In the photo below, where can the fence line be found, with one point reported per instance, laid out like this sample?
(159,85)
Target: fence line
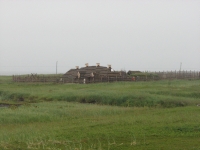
(176,74)
(62,79)
(144,76)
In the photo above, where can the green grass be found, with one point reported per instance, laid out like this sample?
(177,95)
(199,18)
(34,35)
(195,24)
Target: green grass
(166,93)
(111,116)
(64,125)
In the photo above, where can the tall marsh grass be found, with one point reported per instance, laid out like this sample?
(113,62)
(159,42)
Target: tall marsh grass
(166,93)
(64,125)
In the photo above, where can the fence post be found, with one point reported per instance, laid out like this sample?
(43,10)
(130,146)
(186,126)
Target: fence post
(199,75)
(175,74)
(193,74)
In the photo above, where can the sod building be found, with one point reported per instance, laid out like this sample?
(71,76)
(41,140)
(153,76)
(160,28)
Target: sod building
(89,74)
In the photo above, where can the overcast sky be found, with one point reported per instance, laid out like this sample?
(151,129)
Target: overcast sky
(153,35)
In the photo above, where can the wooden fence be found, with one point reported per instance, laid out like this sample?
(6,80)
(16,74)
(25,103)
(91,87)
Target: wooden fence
(166,75)
(146,76)
(62,79)
(36,78)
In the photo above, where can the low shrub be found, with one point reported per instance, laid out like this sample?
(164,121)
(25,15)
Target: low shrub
(172,103)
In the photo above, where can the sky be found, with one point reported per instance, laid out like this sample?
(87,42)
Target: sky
(148,35)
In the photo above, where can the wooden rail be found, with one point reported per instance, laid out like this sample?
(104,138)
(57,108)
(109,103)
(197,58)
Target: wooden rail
(150,76)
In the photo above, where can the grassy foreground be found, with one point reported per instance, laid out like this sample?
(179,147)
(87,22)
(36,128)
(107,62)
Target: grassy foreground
(73,126)
(149,115)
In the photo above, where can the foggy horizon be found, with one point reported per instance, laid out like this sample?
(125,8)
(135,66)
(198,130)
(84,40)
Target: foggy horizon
(129,35)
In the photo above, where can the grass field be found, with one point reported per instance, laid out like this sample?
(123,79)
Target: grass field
(158,115)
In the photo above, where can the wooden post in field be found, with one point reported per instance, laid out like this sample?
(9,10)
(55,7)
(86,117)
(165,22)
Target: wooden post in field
(171,75)
(193,74)
(199,75)
(163,75)
(175,74)
(190,74)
